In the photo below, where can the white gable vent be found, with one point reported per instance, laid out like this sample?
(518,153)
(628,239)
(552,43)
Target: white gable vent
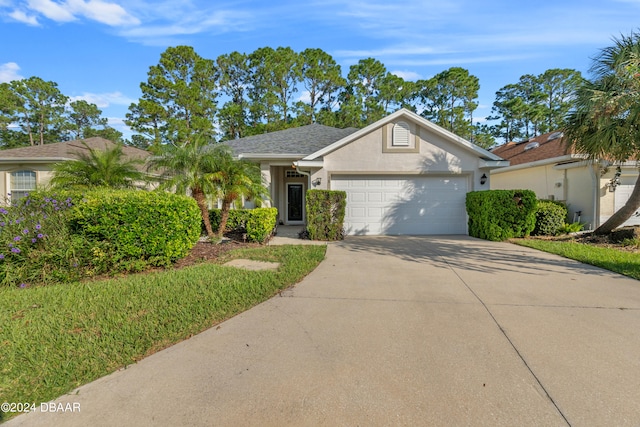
(531,145)
(401,134)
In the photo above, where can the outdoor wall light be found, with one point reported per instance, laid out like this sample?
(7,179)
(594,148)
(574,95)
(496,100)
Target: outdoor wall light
(316,182)
(483,179)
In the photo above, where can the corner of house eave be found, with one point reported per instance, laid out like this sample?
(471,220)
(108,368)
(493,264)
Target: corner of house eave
(493,164)
(10,160)
(256,157)
(309,163)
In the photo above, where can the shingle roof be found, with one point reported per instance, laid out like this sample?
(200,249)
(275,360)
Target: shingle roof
(298,142)
(528,151)
(68,150)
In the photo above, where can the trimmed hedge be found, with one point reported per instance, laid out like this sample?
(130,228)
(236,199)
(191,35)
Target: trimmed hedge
(550,218)
(63,236)
(325,214)
(258,223)
(501,214)
(157,227)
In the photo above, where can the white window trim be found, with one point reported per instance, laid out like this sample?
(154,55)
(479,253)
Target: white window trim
(9,180)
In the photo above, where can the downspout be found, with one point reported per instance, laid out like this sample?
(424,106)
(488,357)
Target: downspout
(595,171)
(307,174)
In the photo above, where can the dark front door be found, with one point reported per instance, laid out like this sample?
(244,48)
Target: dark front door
(294,202)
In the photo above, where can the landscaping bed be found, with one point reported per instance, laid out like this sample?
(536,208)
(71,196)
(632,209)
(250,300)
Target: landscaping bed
(624,239)
(618,252)
(207,251)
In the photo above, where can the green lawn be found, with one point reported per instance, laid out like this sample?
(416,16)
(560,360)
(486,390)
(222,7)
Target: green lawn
(619,261)
(56,338)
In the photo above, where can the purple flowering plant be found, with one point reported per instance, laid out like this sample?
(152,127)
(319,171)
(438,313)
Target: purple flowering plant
(27,230)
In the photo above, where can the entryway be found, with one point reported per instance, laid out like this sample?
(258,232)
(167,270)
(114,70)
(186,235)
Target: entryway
(295,203)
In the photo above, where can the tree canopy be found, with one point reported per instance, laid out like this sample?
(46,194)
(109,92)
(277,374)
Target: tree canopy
(41,114)
(605,123)
(241,94)
(98,168)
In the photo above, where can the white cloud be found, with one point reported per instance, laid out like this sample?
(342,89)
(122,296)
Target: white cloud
(305,97)
(107,13)
(391,51)
(54,11)
(104,100)
(463,60)
(406,75)
(9,72)
(102,11)
(199,22)
(115,122)
(20,16)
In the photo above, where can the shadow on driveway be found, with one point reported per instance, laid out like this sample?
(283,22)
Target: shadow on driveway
(469,254)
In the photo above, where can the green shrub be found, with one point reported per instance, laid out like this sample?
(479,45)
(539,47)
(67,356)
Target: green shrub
(574,227)
(156,227)
(68,235)
(325,214)
(258,223)
(550,218)
(501,214)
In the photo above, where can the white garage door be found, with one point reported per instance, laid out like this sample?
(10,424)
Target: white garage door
(622,194)
(403,204)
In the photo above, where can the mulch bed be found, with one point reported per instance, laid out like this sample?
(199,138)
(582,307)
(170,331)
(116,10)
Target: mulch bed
(207,251)
(621,239)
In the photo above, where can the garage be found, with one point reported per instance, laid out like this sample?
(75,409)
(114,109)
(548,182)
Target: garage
(622,194)
(401,204)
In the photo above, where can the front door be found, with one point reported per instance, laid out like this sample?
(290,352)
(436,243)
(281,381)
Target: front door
(294,202)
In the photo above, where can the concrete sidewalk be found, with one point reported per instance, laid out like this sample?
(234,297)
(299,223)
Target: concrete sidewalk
(399,331)
(290,235)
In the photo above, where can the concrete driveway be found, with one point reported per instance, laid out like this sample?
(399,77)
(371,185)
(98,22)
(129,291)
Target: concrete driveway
(399,331)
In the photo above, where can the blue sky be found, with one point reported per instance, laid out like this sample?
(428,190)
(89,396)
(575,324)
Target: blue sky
(101,50)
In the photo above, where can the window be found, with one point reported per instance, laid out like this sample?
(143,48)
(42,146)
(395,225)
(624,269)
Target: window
(293,174)
(401,134)
(22,182)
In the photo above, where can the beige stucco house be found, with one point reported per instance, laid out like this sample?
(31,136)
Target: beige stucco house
(402,174)
(592,190)
(26,168)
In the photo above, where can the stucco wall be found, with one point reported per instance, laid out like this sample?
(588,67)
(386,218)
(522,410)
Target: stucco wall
(573,185)
(371,154)
(546,182)
(580,196)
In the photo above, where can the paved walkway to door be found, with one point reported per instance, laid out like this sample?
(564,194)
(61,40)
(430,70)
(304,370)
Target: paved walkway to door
(399,331)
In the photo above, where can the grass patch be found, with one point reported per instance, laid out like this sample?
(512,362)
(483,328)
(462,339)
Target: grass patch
(56,338)
(619,261)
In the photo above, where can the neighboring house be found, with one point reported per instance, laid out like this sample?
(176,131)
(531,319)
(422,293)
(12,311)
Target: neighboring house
(402,174)
(592,190)
(26,168)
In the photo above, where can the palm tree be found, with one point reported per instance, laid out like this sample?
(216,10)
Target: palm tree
(235,179)
(188,168)
(605,123)
(98,168)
